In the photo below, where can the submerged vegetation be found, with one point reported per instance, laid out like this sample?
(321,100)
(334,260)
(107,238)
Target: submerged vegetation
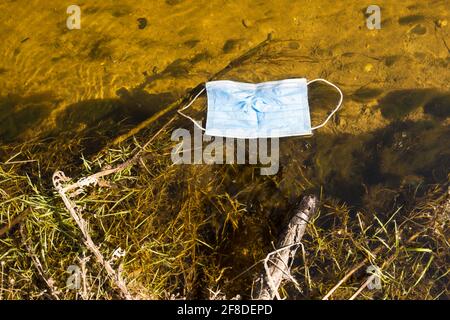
(380,169)
(194,232)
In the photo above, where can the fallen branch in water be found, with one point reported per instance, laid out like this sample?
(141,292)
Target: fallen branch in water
(277,263)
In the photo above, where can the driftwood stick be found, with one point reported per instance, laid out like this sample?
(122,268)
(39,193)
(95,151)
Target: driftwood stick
(372,277)
(277,263)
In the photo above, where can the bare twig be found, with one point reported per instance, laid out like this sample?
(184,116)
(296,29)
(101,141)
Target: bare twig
(83,261)
(364,285)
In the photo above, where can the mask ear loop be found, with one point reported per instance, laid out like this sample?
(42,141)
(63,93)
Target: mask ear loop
(187,106)
(335,109)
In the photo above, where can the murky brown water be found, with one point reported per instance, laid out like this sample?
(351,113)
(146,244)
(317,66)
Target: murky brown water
(55,78)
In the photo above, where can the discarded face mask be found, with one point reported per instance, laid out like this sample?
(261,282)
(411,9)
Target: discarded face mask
(271,109)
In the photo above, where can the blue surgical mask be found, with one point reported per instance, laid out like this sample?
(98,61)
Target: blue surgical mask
(263,110)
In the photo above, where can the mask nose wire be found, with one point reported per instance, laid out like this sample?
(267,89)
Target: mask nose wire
(337,106)
(187,106)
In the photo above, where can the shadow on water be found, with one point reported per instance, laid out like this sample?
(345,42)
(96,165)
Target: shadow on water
(403,155)
(89,120)
(397,104)
(19,113)
(112,117)
(352,168)
(93,122)
(98,121)
(439,106)
(96,117)
(134,105)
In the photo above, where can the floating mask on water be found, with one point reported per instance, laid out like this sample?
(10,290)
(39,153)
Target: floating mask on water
(264,110)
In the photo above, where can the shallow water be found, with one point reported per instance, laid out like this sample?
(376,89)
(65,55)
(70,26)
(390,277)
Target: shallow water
(53,79)
(134,58)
